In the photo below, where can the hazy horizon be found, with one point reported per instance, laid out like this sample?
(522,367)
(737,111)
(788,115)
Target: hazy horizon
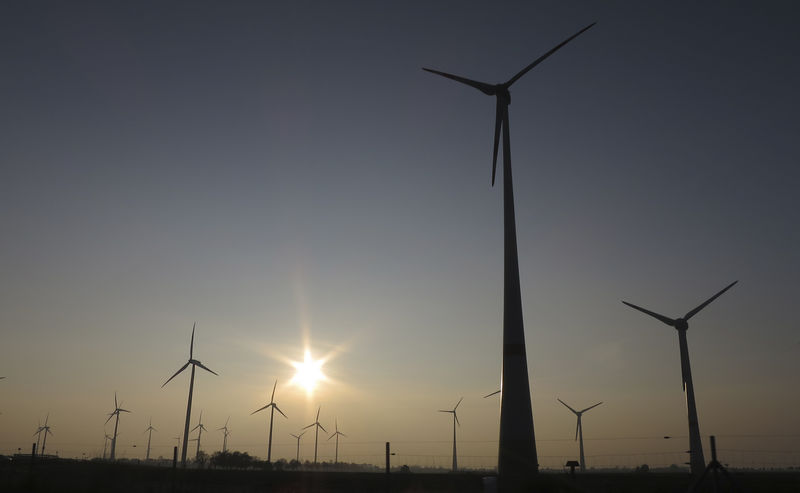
(289,178)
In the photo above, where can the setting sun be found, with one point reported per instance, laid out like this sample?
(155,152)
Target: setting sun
(308,372)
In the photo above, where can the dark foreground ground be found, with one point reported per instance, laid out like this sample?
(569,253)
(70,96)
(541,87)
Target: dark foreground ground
(65,476)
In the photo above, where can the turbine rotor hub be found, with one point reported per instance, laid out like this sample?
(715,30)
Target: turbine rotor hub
(503,93)
(681,324)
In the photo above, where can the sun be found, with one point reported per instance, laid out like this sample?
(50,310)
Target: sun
(308,373)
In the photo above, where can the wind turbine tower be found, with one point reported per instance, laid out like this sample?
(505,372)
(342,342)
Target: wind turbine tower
(105,444)
(517,451)
(272,407)
(316,433)
(195,363)
(336,434)
(43,430)
(297,457)
(579,430)
(226,432)
(112,414)
(455,421)
(200,429)
(697,462)
(149,432)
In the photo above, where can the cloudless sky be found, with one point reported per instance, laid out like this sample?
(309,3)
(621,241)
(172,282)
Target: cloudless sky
(287,176)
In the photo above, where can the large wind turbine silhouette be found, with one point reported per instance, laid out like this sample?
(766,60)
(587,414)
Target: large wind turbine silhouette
(272,407)
(696,459)
(297,458)
(455,420)
(149,432)
(113,413)
(336,434)
(517,450)
(579,429)
(227,432)
(316,426)
(200,429)
(194,364)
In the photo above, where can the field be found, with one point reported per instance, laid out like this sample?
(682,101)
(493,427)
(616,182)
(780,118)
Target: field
(66,476)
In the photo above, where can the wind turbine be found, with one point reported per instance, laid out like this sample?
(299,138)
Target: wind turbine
(579,429)
(194,364)
(517,450)
(297,458)
(272,407)
(38,435)
(336,434)
(200,429)
(105,444)
(696,460)
(149,429)
(113,413)
(455,420)
(226,432)
(43,429)
(316,433)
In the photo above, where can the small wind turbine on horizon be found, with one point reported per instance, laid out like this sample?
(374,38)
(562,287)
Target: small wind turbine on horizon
(272,407)
(297,457)
(455,421)
(105,444)
(195,363)
(517,445)
(696,459)
(43,430)
(149,431)
(226,432)
(316,433)
(336,434)
(579,429)
(200,429)
(113,413)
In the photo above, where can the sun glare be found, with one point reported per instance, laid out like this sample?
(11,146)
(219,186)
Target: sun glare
(308,373)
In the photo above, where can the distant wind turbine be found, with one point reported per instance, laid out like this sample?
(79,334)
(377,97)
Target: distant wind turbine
(149,432)
(272,407)
(43,430)
(38,435)
(517,450)
(493,393)
(226,432)
(297,458)
(195,363)
(455,421)
(696,459)
(200,429)
(112,414)
(579,429)
(316,433)
(336,434)
(105,444)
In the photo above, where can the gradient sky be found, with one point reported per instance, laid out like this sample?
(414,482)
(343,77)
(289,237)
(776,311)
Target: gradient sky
(287,176)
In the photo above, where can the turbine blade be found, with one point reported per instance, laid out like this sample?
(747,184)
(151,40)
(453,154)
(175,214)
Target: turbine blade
(318,410)
(498,124)
(191,344)
(309,426)
(196,427)
(664,319)
(201,365)
(332,435)
(591,407)
(259,409)
(323,428)
(123,410)
(577,427)
(459,402)
(279,410)
(456,418)
(109,419)
(694,312)
(543,57)
(443,411)
(170,378)
(272,399)
(483,87)
(562,402)
(493,393)
(343,434)
(115,402)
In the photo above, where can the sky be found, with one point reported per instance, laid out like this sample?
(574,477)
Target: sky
(287,177)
